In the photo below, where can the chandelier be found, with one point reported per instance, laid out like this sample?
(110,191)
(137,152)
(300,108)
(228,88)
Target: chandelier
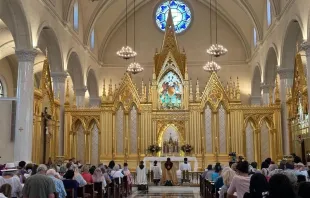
(134,67)
(211,66)
(216,49)
(126,52)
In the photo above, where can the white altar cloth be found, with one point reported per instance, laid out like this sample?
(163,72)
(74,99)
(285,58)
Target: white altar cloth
(173,159)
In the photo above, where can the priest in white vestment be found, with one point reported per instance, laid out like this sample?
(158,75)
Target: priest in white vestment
(141,174)
(185,166)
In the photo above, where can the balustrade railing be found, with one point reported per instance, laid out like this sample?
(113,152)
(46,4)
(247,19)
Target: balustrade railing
(190,177)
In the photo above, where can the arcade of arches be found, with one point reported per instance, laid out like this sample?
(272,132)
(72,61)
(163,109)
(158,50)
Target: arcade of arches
(64,92)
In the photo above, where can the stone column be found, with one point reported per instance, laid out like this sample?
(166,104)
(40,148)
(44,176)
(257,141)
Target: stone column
(80,97)
(24,108)
(59,84)
(265,97)
(286,81)
(94,101)
(256,100)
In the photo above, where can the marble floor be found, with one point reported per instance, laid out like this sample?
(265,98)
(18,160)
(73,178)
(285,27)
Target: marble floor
(167,192)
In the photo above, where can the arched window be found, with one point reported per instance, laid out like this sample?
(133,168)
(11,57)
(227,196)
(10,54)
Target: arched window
(269,17)
(76,15)
(1,89)
(92,39)
(254,37)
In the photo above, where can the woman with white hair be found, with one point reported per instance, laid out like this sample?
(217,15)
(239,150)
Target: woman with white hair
(9,177)
(227,175)
(60,188)
(99,177)
(116,173)
(78,177)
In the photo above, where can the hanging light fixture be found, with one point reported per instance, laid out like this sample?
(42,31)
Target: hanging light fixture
(126,52)
(211,66)
(216,49)
(134,67)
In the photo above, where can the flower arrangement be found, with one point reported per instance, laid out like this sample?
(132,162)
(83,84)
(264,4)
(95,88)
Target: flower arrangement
(186,148)
(154,148)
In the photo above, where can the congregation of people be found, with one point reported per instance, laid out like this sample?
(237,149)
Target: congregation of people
(288,179)
(51,180)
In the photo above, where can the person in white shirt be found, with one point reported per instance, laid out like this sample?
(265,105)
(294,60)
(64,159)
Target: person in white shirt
(185,166)
(116,173)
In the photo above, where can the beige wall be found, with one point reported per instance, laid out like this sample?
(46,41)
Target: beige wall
(195,41)
(6,74)
(6,146)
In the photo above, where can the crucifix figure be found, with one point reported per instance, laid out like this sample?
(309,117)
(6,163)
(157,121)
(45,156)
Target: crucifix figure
(45,118)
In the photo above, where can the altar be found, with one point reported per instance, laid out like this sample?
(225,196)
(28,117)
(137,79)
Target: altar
(177,161)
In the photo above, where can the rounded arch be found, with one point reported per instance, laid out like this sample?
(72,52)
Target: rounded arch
(92,84)
(256,81)
(271,64)
(164,128)
(293,36)
(47,40)
(13,15)
(75,70)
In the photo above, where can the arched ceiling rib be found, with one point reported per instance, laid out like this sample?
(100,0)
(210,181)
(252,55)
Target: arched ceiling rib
(104,15)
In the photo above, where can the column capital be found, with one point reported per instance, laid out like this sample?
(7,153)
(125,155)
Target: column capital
(80,91)
(306,46)
(27,55)
(286,73)
(266,87)
(60,77)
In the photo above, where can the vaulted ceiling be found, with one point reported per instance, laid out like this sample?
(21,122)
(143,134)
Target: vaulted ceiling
(107,15)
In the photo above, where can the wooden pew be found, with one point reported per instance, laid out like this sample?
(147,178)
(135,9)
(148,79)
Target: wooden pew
(70,193)
(98,189)
(89,189)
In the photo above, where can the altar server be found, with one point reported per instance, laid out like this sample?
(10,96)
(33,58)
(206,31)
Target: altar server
(157,173)
(185,166)
(141,175)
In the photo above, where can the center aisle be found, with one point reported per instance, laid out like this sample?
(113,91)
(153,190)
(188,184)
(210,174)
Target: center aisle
(167,192)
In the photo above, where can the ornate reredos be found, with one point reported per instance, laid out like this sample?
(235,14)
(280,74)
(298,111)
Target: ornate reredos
(214,94)
(46,85)
(127,94)
(299,84)
(170,46)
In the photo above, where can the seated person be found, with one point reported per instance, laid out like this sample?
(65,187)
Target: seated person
(70,183)
(86,175)
(216,173)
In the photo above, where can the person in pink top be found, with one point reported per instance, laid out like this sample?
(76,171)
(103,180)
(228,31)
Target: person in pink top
(86,175)
(241,182)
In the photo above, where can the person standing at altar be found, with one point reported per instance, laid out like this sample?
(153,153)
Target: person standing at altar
(141,174)
(169,177)
(156,173)
(185,166)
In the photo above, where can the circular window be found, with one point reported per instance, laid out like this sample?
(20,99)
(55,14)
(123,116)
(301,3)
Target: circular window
(181,15)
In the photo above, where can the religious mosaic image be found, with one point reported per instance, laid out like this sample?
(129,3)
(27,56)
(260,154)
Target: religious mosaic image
(170,91)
